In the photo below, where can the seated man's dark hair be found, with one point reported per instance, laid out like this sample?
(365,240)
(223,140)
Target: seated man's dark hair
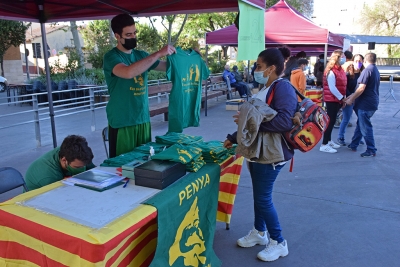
(76,147)
(121,21)
(321,56)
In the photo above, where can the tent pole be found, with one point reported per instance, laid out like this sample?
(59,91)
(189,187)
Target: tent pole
(48,81)
(247,74)
(325,55)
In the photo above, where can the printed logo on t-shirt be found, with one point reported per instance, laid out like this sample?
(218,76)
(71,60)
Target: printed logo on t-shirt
(139,88)
(192,77)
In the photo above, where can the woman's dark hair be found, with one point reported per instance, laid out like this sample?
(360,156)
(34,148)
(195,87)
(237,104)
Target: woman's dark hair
(301,54)
(285,52)
(272,56)
(76,147)
(121,21)
(290,65)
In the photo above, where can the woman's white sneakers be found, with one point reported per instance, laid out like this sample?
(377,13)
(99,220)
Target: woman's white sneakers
(329,148)
(253,238)
(273,251)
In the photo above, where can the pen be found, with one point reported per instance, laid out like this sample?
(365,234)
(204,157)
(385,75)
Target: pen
(126,183)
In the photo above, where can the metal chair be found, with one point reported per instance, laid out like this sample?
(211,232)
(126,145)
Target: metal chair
(104,133)
(391,91)
(10,179)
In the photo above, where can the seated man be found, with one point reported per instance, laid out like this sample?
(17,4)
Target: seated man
(73,157)
(239,80)
(227,75)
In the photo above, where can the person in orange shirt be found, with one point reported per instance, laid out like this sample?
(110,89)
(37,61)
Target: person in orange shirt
(298,78)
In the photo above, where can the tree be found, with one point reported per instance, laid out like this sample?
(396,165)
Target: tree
(199,24)
(383,18)
(77,42)
(305,7)
(148,38)
(167,22)
(12,33)
(97,41)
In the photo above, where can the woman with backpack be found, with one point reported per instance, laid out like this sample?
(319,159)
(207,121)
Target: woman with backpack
(334,84)
(270,64)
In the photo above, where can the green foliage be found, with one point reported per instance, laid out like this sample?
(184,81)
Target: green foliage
(382,19)
(12,33)
(148,38)
(198,24)
(68,69)
(215,63)
(156,75)
(305,7)
(97,41)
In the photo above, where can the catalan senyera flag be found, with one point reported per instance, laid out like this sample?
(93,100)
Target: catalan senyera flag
(29,237)
(228,183)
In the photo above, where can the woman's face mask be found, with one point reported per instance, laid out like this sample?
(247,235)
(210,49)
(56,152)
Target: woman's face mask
(259,77)
(357,65)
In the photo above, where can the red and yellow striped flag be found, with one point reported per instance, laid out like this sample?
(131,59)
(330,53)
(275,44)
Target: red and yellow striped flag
(229,180)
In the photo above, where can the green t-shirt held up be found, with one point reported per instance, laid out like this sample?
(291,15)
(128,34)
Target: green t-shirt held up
(128,104)
(186,69)
(47,170)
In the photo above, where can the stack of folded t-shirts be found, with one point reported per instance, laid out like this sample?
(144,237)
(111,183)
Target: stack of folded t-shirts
(174,138)
(123,159)
(213,151)
(185,154)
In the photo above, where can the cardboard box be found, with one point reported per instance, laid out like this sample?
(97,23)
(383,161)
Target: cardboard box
(234,104)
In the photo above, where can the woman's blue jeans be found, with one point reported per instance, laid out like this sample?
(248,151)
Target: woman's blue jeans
(263,177)
(347,111)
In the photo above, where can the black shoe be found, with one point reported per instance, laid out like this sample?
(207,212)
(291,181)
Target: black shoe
(352,148)
(243,96)
(341,141)
(368,154)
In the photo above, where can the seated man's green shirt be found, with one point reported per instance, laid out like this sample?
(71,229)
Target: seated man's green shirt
(128,104)
(47,170)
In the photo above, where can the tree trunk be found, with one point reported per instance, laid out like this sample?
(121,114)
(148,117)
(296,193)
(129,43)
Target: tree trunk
(112,38)
(77,42)
(225,51)
(389,51)
(2,69)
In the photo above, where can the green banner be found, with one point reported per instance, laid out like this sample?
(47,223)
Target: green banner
(186,220)
(251,38)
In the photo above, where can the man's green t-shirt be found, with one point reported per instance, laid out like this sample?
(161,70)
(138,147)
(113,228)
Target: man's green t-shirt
(128,104)
(47,170)
(186,69)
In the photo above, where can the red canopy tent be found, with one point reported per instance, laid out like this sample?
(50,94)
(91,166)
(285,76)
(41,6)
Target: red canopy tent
(54,10)
(285,25)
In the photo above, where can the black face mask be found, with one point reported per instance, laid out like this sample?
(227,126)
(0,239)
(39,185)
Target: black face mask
(129,43)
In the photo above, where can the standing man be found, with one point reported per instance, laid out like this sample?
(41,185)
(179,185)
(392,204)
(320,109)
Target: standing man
(366,98)
(126,70)
(319,70)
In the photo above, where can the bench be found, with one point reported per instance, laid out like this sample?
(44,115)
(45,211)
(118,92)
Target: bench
(165,88)
(219,84)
